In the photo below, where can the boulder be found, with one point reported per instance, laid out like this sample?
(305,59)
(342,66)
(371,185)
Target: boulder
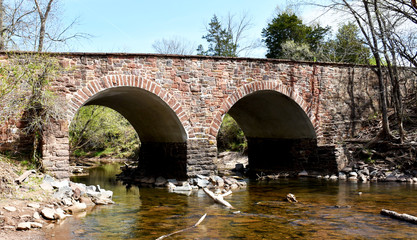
(60,214)
(64,191)
(202,183)
(48,213)
(77,207)
(160,182)
(342,176)
(174,181)
(87,201)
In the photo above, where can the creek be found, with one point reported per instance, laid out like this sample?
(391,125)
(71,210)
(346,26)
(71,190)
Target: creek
(326,210)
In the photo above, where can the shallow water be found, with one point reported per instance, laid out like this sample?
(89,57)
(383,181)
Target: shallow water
(326,210)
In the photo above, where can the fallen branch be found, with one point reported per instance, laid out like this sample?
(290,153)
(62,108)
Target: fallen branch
(185,229)
(403,217)
(218,198)
(25,175)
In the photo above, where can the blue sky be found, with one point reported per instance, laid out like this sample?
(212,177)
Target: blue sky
(134,25)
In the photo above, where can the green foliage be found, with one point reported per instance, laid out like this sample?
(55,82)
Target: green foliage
(98,131)
(347,47)
(294,51)
(288,27)
(230,136)
(27,95)
(220,41)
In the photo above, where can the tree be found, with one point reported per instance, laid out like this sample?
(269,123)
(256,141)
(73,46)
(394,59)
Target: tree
(33,25)
(229,38)
(173,45)
(294,51)
(220,40)
(288,27)
(32,100)
(97,131)
(347,47)
(382,25)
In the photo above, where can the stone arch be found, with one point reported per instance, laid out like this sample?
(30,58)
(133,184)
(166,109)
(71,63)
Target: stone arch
(112,81)
(157,116)
(252,88)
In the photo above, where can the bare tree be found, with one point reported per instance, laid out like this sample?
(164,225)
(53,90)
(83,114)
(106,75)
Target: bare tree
(238,27)
(33,25)
(174,45)
(228,37)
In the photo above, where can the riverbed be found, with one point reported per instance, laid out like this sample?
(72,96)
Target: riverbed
(326,210)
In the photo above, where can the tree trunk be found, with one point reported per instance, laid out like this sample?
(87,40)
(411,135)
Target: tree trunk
(385,131)
(2,42)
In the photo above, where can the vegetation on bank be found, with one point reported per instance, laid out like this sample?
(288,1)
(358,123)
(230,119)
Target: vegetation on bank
(98,131)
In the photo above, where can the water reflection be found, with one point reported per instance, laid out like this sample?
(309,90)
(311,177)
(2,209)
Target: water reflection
(331,210)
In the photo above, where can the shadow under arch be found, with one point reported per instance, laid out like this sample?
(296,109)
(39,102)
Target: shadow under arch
(163,150)
(279,131)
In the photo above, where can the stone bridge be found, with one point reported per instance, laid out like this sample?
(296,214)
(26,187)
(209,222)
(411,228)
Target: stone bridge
(293,114)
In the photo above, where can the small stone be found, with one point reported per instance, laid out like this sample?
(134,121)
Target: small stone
(304,173)
(35,225)
(23,226)
(46,187)
(36,215)
(25,216)
(415,179)
(342,176)
(171,186)
(9,221)
(9,227)
(333,177)
(76,193)
(353,174)
(67,202)
(352,178)
(10,208)
(34,205)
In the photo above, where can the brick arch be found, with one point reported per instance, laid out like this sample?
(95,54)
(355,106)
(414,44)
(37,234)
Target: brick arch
(251,88)
(96,86)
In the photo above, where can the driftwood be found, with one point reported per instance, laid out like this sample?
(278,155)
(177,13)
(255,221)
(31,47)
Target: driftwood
(185,229)
(219,197)
(403,217)
(25,175)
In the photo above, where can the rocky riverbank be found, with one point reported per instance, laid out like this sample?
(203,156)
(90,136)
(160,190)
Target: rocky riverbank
(38,202)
